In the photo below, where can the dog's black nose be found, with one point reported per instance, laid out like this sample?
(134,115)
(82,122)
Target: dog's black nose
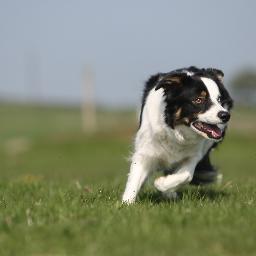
(224,116)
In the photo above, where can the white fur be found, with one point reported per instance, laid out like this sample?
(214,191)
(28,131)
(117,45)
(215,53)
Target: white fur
(159,147)
(211,115)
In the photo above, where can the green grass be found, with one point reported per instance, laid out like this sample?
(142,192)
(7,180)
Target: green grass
(60,191)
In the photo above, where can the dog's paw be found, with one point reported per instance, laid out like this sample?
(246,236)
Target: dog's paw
(159,184)
(219,179)
(128,200)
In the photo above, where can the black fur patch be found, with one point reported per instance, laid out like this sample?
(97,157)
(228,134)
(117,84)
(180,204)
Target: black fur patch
(182,97)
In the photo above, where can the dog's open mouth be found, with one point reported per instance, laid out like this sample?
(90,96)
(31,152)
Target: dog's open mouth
(212,131)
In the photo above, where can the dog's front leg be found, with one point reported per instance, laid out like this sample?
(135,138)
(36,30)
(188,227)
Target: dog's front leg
(173,181)
(139,171)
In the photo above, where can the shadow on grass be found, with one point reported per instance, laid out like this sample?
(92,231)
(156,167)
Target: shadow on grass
(188,194)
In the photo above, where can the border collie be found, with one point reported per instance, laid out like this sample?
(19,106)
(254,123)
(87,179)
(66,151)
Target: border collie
(184,114)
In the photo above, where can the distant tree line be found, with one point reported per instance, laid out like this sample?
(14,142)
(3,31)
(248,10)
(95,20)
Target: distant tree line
(243,87)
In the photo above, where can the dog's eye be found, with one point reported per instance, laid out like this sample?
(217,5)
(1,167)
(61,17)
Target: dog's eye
(219,99)
(199,100)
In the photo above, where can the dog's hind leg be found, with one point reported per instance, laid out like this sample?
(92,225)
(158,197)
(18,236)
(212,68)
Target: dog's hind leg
(139,171)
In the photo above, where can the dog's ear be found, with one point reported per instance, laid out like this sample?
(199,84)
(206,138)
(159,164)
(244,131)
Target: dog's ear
(170,79)
(217,73)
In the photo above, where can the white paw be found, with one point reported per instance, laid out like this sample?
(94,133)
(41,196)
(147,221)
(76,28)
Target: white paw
(219,179)
(128,200)
(159,184)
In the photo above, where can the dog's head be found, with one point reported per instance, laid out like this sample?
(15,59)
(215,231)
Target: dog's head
(196,98)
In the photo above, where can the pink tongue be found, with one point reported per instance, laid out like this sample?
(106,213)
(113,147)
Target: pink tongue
(212,131)
(216,133)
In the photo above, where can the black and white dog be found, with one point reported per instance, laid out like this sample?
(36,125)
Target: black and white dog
(184,114)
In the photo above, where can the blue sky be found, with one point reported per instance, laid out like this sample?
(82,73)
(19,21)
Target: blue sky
(46,45)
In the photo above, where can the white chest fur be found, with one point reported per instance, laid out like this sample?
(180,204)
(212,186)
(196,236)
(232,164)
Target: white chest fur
(156,140)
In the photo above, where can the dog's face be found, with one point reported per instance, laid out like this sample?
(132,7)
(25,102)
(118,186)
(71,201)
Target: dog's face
(197,98)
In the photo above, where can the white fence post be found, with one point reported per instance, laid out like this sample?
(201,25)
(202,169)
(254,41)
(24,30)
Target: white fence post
(88,108)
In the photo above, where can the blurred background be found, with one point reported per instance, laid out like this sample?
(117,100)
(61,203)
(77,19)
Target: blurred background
(72,73)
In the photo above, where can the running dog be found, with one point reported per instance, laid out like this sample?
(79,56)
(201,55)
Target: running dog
(184,114)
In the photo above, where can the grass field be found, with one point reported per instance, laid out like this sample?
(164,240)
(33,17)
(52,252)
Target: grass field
(60,191)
